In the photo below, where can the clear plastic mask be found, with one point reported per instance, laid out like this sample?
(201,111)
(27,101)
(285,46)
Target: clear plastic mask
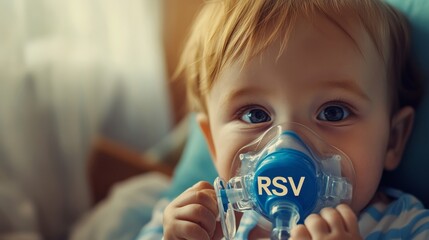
(284,176)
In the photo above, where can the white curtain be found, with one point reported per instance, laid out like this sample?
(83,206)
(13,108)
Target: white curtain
(69,70)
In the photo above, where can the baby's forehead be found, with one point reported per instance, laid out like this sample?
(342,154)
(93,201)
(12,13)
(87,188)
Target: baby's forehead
(317,49)
(350,27)
(343,30)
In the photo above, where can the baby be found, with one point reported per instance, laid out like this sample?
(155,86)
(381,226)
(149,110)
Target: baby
(334,66)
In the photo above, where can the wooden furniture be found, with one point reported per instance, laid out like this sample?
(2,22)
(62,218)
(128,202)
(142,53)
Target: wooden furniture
(111,162)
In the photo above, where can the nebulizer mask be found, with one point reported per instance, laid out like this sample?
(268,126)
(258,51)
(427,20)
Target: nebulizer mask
(284,175)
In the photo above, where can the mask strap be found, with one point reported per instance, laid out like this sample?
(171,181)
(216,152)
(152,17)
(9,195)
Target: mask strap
(336,188)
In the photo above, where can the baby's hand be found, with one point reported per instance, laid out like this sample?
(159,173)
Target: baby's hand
(192,215)
(338,223)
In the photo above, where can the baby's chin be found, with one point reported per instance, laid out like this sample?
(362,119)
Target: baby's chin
(358,206)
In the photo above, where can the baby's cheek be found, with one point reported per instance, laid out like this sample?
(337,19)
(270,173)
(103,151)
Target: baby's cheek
(366,184)
(225,163)
(224,167)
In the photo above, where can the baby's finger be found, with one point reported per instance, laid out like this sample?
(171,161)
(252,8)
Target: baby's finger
(202,185)
(206,197)
(316,225)
(349,218)
(334,219)
(198,214)
(299,232)
(190,230)
(218,233)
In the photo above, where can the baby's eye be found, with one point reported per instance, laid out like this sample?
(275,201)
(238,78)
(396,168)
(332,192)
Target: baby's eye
(255,115)
(333,113)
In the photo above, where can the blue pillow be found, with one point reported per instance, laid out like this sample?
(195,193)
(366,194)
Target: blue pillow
(411,175)
(196,165)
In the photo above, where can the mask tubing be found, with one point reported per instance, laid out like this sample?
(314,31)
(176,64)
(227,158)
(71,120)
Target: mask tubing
(284,216)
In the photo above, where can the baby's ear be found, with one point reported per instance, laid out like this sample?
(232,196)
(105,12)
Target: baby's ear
(204,123)
(400,130)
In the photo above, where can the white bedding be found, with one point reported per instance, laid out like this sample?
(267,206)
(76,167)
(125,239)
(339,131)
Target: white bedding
(127,209)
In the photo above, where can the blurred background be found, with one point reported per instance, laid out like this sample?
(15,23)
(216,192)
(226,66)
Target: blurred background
(84,84)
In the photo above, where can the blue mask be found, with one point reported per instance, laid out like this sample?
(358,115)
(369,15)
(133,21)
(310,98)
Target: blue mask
(284,175)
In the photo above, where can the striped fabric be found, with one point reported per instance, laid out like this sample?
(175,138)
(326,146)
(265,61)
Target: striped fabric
(404,218)
(153,230)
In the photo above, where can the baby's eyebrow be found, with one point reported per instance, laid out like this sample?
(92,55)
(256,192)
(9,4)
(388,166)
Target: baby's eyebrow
(348,85)
(238,92)
(246,90)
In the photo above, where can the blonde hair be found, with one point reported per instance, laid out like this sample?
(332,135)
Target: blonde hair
(237,30)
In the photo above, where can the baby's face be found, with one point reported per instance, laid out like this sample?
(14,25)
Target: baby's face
(325,80)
